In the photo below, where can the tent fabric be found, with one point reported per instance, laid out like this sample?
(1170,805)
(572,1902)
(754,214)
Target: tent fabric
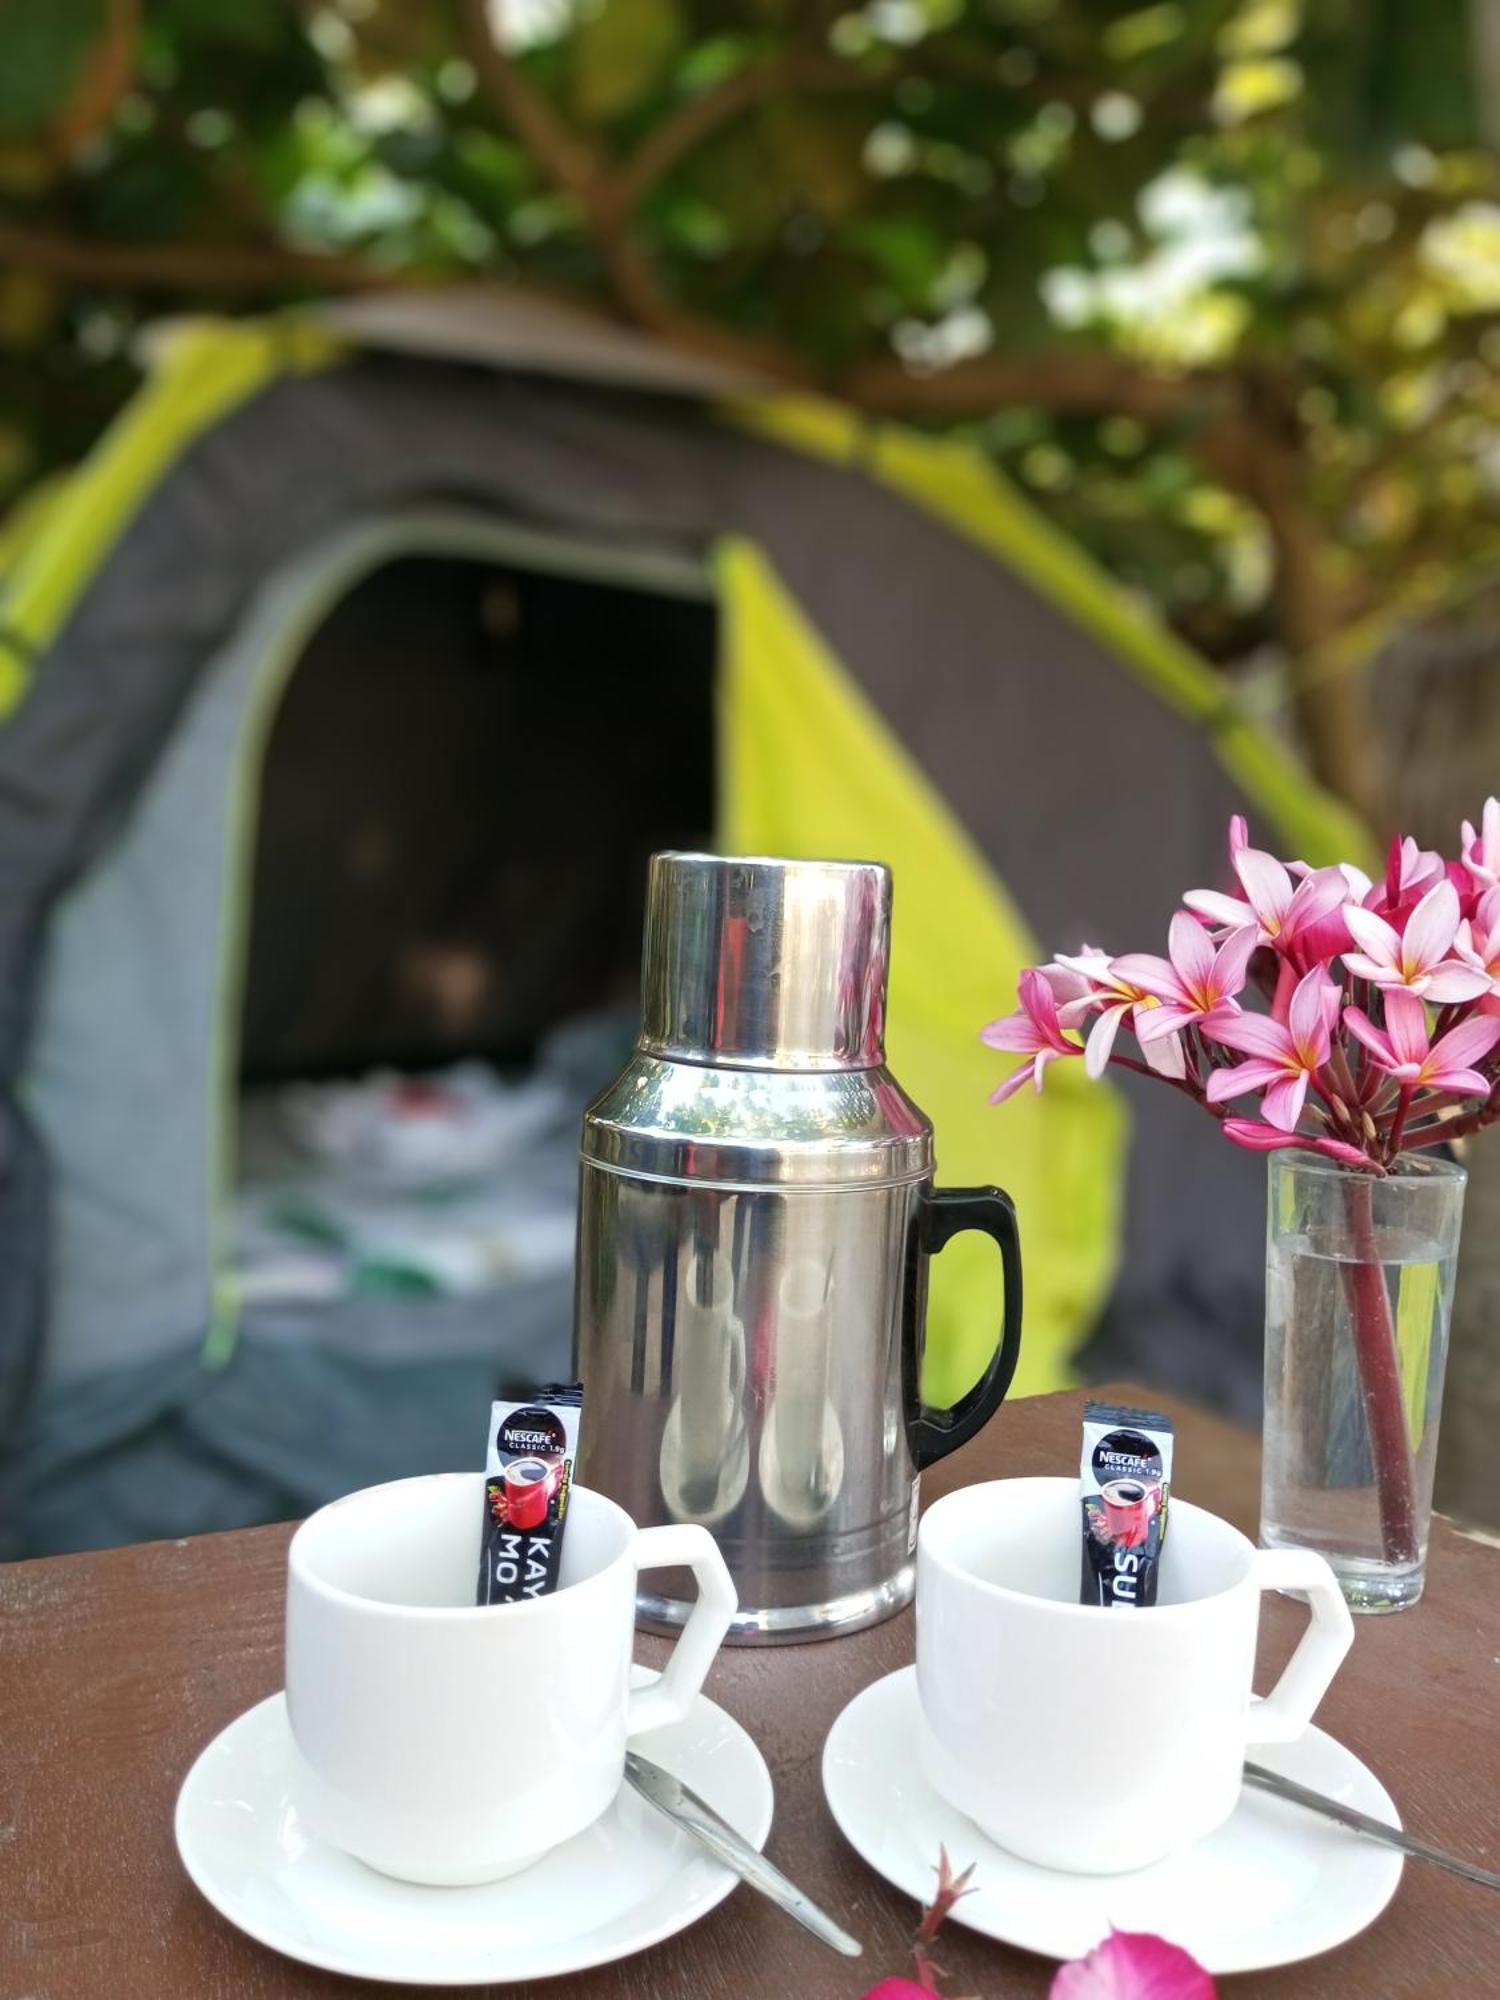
(520,331)
(966,490)
(891,687)
(956,941)
(213,368)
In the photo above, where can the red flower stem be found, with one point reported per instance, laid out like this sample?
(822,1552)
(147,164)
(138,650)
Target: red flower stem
(1398,1123)
(1380,1376)
(1345,1125)
(1348,1088)
(1369,1076)
(1458,1128)
(1188,1088)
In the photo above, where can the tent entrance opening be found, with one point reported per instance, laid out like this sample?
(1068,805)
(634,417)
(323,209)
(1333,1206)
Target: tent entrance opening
(467,770)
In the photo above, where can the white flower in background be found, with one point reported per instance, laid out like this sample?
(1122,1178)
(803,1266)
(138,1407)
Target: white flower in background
(1461,252)
(1167,304)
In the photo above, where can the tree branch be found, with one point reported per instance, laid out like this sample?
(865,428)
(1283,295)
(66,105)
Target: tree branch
(574,169)
(105,76)
(637,290)
(801,72)
(1068,381)
(1259,453)
(232,270)
(567,160)
(1064,382)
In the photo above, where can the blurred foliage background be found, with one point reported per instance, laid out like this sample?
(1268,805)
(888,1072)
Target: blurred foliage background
(1217,281)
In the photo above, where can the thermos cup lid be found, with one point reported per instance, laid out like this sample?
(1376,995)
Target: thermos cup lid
(764,963)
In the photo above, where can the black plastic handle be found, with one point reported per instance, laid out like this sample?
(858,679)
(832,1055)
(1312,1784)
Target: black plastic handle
(945,1211)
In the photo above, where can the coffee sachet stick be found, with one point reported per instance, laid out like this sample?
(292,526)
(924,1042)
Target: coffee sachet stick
(533,1443)
(1126,1481)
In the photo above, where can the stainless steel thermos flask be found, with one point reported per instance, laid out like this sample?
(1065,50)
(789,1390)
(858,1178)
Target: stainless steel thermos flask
(756,1215)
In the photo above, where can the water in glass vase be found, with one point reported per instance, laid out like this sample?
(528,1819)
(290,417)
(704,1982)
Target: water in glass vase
(1359,1292)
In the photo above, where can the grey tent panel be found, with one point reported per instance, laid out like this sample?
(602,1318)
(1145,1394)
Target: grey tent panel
(123,1066)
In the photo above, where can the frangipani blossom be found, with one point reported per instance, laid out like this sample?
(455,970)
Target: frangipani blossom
(1478,939)
(1033,1030)
(1112,998)
(1356,880)
(1284,1055)
(1404,1051)
(1303,921)
(1071,979)
(1415,958)
(1357,1085)
(1412,872)
(1194,983)
(1258,1138)
(1481,851)
(1133,1965)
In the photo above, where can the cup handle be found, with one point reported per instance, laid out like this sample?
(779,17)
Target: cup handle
(683,1546)
(1290,1706)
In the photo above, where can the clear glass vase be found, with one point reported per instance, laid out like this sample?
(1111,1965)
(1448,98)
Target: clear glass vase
(1359,1293)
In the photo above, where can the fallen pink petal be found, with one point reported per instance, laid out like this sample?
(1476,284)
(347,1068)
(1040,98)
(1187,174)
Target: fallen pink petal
(1133,1965)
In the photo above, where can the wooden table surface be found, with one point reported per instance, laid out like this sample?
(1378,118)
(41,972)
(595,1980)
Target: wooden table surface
(116,1670)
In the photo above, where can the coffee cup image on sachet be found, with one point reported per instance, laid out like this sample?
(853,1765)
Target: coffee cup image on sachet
(1128,1508)
(526,1490)
(426,1743)
(1090,1739)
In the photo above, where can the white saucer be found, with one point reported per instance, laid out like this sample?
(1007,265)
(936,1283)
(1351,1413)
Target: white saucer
(624,1883)
(1274,1885)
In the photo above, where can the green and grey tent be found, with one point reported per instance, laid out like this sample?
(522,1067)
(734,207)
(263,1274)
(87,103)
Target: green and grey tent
(381,645)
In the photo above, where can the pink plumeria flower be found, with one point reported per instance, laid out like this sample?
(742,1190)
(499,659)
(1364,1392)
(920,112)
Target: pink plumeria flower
(1478,940)
(1481,850)
(1193,983)
(1033,1030)
(1303,921)
(1404,1052)
(1284,1055)
(1258,1138)
(1411,872)
(1417,957)
(1111,998)
(1132,1965)
(1072,979)
(1356,880)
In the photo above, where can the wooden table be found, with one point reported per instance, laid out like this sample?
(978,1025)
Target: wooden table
(116,1669)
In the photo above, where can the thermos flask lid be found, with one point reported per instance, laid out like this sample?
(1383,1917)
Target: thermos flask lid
(763,963)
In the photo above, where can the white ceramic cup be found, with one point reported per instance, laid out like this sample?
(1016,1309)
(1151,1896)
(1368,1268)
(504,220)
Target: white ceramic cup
(445,1742)
(1090,1739)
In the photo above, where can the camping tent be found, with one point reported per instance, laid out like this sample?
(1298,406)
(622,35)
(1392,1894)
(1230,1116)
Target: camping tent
(751,617)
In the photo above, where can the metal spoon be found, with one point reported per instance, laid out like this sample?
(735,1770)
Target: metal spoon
(1372,1829)
(695,1816)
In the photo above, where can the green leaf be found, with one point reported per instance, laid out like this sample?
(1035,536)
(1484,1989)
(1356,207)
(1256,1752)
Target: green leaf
(712,60)
(621,53)
(241,24)
(44,48)
(909,252)
(1138,34)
